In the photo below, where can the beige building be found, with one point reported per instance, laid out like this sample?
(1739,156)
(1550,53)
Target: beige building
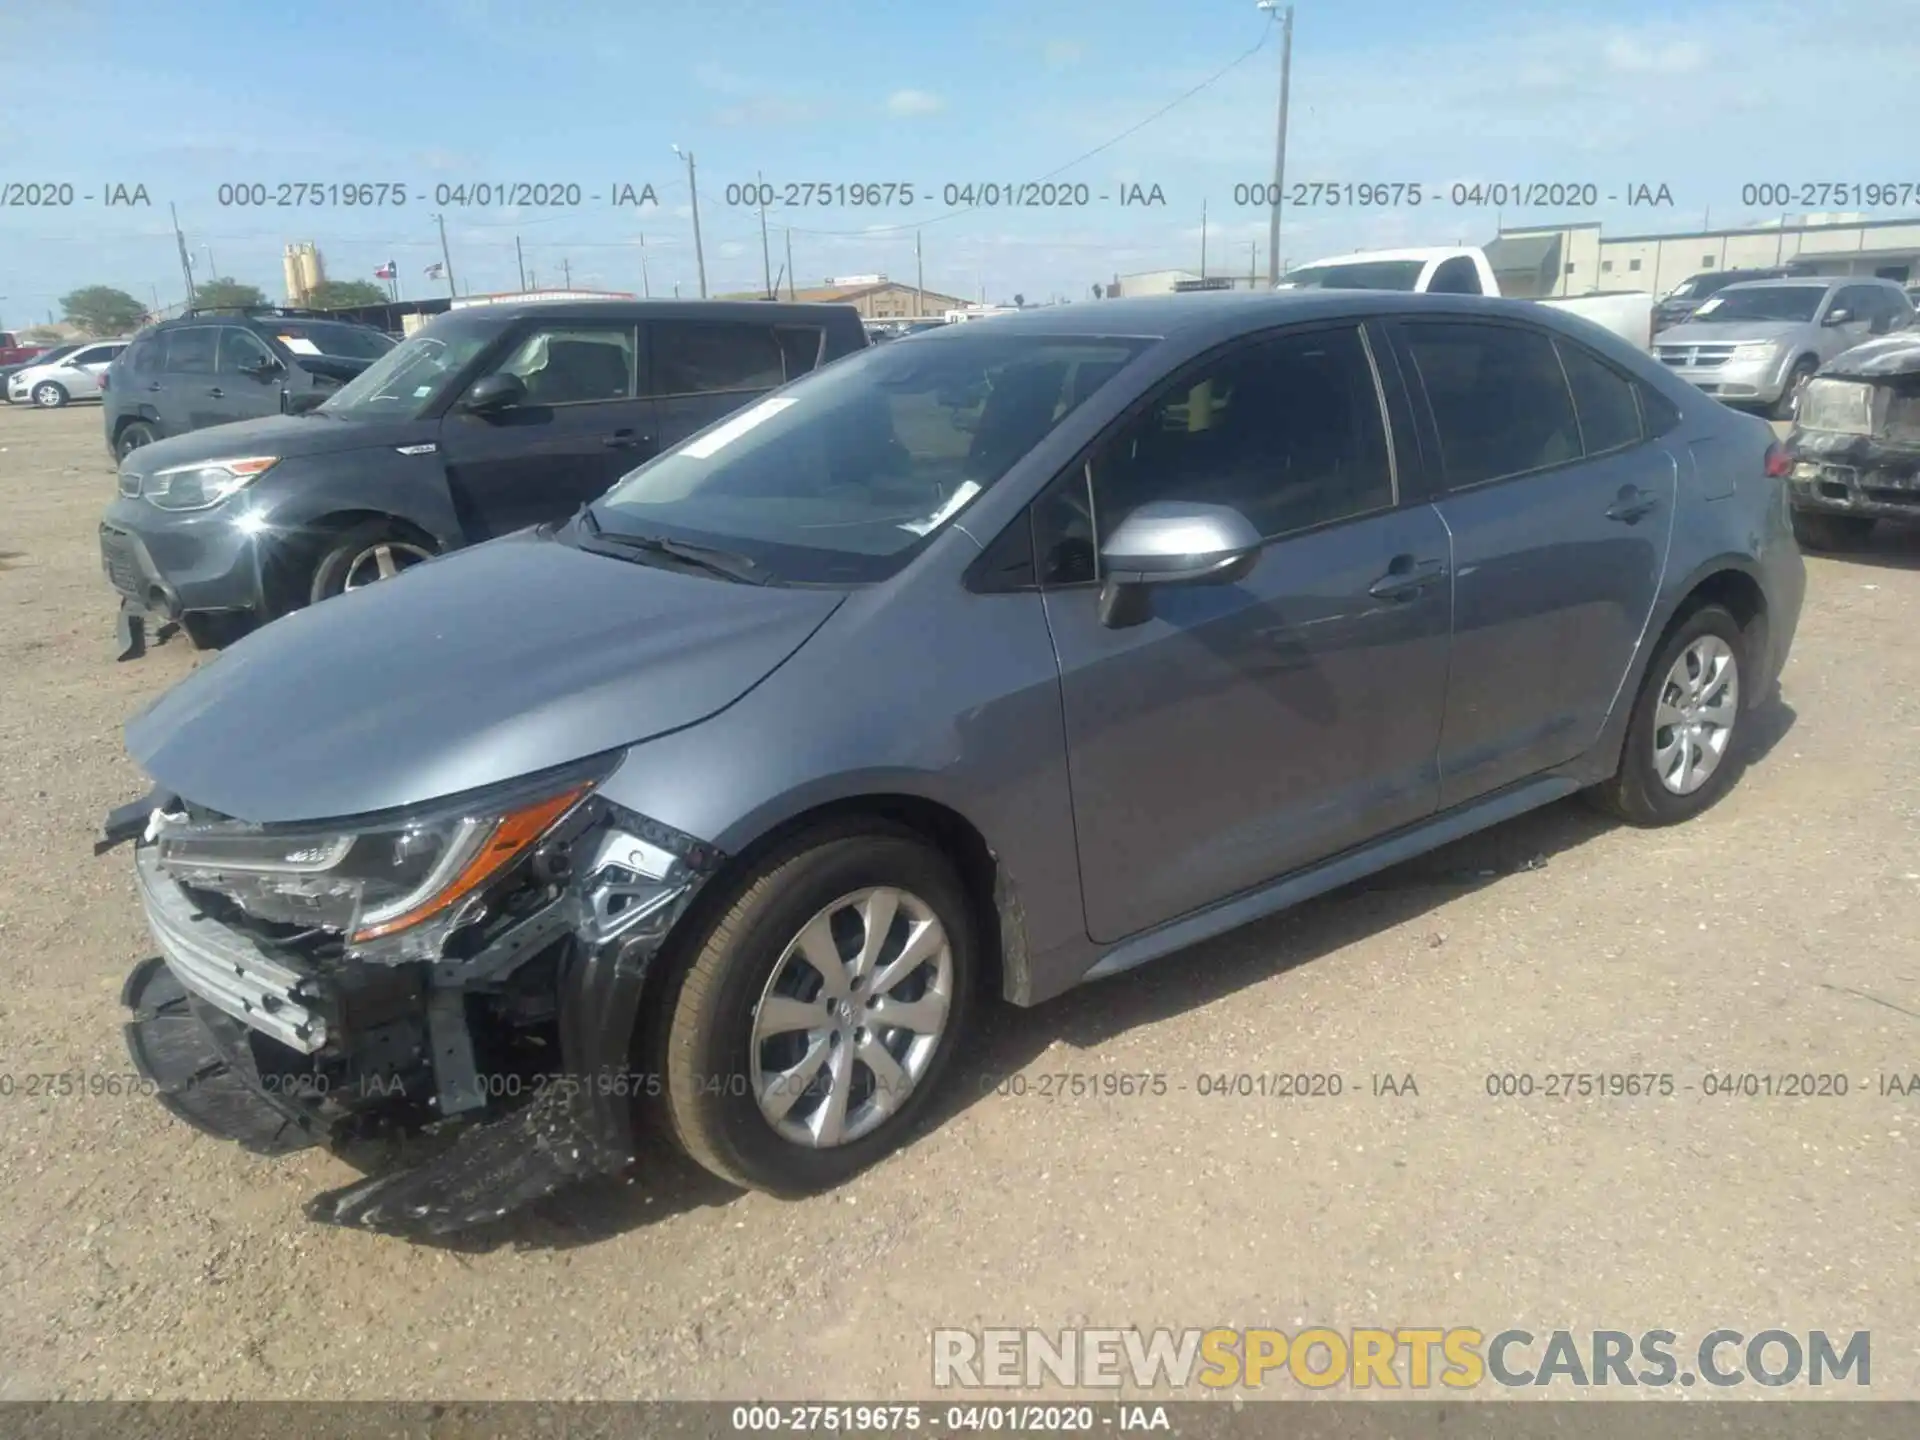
(875,299)
(1575,259)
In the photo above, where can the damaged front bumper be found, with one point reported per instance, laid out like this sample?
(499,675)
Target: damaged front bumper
(513,1064)
(1856,450)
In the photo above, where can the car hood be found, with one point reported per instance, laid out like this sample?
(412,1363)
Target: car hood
(1889,355)
(480,667)
(283,435)
(1733,332)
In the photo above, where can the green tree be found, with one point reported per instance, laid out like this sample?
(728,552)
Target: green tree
(224,290)
(345,294)
(103,310)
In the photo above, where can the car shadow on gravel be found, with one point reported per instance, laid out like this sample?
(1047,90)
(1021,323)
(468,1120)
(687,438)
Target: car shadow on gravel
(1893,545)
(1008,1039)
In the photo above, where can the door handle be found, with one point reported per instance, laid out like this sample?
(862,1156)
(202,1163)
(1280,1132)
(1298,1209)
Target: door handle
(1406,578)
(626,440)
(1632,505)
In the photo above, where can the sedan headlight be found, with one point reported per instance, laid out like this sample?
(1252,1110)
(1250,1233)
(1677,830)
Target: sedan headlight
(1757,350)
(395,889)
(204,484)
(1842,406)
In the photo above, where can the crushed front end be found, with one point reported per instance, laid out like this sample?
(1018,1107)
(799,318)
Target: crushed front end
(1856,441)
(465,976)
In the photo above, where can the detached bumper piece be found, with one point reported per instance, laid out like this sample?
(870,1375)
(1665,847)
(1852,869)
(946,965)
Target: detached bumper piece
(279,1049)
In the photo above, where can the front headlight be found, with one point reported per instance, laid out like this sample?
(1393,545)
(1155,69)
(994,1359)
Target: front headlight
(205,483)
(1757,350)
(394,889)
(1842,406)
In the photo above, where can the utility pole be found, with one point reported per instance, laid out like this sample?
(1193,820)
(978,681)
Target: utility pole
(212,271)
(919,280)
(789,263)
(646,282)
(520,260)
(1253,263)
(766,260)
(566,274)
(186,266)
(1203,239)
(446,256)
(693,194)
(1280,140)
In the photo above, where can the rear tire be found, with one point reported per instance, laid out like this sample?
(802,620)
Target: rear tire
(729,1057)
(1818,530)
(370,551)
(49,395)
(1682,751)
(1788,405)
(131,437)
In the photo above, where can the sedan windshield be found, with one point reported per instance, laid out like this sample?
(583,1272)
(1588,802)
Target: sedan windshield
(1763,302)
(325,337)
(1366,275)
(408,378)
(841,477)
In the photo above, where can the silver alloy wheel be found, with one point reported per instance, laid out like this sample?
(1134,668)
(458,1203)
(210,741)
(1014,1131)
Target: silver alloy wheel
(1693,718)
(382,562)
(851,1017)
(49,396)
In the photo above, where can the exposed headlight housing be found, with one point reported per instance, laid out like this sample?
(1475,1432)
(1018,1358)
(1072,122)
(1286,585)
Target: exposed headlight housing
(205,483)
(1842,406)
(393,888)
(1757,350)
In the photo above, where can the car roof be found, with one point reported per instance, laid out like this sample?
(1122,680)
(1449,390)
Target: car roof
(765,311)
(1224,314)
(1823,281)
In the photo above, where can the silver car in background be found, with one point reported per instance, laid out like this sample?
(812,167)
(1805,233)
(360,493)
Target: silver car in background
(79,375)
(1760,343)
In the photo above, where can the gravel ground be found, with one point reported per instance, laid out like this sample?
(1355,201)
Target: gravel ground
(140,1259)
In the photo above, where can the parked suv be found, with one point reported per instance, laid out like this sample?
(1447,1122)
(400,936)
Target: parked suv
(213,367)
(1761,343)
(1690,294)
(489,419)
(992,664)
(80,374)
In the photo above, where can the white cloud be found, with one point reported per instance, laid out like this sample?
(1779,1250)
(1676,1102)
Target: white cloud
(1680,57)
(914,102)
(1061,53)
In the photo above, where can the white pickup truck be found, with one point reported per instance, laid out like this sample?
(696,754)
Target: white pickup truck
(1464,270)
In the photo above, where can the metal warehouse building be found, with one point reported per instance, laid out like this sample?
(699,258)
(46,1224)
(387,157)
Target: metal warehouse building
(1574,259)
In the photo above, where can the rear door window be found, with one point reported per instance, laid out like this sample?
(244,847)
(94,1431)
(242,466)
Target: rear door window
(800,347)
(1602,401)
(699,357)
(191,350)
(1455,277)
(1498,398)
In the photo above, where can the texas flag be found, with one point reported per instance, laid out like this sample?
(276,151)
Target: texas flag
(436,270)
(386,271)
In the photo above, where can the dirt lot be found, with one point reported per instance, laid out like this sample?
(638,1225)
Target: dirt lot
(1777,934)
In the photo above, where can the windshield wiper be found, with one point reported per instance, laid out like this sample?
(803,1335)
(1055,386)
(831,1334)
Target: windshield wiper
(728,564)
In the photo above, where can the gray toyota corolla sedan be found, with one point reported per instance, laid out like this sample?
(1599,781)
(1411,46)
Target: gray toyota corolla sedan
(980,667)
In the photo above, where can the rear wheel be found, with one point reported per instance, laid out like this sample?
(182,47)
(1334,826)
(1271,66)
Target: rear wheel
(1681,752)
(131,437)
(1818,530)
(49,395)
(373,550)
(821,1010)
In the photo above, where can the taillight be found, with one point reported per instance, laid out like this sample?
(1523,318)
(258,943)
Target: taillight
(1779,466)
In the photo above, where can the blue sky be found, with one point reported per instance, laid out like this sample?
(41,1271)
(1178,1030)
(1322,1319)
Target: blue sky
(1702,97)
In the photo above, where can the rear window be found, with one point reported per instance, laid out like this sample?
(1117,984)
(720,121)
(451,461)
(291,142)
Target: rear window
(346,342)
(696,357)
(190,350)
(800,347)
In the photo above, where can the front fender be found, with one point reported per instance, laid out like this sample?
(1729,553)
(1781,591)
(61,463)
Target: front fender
(310,490)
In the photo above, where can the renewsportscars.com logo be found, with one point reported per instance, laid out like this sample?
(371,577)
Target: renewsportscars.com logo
(1402,1357)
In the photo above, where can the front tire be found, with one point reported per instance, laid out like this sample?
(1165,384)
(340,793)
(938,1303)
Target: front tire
(1818,530)
(1682,751)
(49,395)
(821,1010)
(373,550)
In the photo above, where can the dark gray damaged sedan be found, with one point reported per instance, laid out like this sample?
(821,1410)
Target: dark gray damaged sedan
(976,667)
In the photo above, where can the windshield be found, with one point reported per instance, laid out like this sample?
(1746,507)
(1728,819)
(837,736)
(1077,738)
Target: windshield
(840,477)
(326,337)
(1763,302)
(1367,275)
(408,378)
